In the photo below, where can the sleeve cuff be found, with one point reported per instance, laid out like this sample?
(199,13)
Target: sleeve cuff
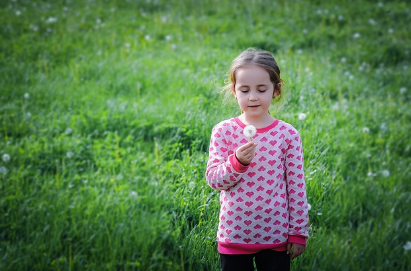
(297,240)
(240,168)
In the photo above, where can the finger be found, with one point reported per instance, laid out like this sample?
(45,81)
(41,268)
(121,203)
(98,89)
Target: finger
(288,248)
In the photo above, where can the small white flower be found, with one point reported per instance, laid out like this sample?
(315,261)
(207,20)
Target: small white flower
(173,46)
(343,60)
(33,27)
(169,38)
(85,181)
(380,4)
(302,116)
(133,194)
(340,17)
(69,131)
(127,45)
(356,35)
(370,174)
(309,206)
(407,246)
(249,131)
(69,154)
(18,13)
(403,90)
(147,37)
(299,51)
(3,170)
(51,20)
(305,31)
(26,95)
(6,157)
(319,214)
(372,21)
(366,130)
(385,173)
(390,30)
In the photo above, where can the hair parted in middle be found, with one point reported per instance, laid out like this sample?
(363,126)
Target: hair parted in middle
(263,59)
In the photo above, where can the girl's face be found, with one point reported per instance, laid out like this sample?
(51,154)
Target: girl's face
(254,91)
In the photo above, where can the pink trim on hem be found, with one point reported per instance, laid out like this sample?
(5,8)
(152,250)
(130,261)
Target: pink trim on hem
(259,130)
(297,240)
(225,248)
(237,165)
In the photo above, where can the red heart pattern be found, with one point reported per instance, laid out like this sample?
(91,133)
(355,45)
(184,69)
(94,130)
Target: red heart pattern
(264,202)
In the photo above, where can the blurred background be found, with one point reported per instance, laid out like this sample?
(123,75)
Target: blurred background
(107,106)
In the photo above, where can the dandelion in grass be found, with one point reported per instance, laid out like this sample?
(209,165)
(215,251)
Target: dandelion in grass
(69,131)
(18,13)
(372,22)
(309,206)
(250,131)
(356,35)
(26,95)
(365,130)
(169,38)
(403,90)
(390,30)
(3,170)
(147,37)
(319,214)
(407,246)
(299,51)
(6,157)
(385,173)
(133,194)
(302,116)
(343,60)
(51,20)
(69,154)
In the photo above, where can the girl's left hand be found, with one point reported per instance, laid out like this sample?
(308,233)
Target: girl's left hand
(297,249)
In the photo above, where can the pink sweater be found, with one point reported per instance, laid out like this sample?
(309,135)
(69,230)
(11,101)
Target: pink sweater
(264,204)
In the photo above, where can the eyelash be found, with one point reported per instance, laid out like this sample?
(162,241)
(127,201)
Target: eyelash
(259,90)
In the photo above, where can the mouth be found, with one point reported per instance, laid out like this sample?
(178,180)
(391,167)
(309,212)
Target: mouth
(253,106)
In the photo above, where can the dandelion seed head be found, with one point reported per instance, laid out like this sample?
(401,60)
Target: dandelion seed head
(299,51)
(366,130)
(127,45)
(319,214)
(6,157)
(69,131)
(385,173)
(26,95)
(169,38)
(18,12)
(51,20)
(147,37)
(372,22)
(340,17)
(403,90)
(133,194)
(343,60)
(69,154)
(407,246)
(85,181)
(356,35)
(309,206)
(249,131)
(302,116)
(390,30)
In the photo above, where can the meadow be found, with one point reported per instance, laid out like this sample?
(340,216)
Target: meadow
(106,111)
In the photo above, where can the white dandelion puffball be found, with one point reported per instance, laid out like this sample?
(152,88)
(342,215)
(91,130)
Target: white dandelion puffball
(250,131)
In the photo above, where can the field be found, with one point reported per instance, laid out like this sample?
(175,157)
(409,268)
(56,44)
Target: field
(106,111)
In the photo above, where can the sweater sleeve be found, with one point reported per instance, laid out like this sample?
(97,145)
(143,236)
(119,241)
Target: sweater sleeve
(298,206)
(223,168)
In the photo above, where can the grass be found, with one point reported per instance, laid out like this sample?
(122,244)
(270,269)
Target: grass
(106,111)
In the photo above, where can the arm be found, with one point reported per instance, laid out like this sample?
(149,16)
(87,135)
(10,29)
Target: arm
(223,169)
(297,198)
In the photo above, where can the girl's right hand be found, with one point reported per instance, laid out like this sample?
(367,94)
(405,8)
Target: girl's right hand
(246,153)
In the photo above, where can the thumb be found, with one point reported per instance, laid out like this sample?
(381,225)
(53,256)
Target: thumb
(288,248)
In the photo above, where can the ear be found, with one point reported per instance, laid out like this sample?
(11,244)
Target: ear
(277,90)
(233,89)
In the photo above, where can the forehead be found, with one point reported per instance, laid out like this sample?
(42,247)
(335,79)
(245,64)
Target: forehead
(252,75)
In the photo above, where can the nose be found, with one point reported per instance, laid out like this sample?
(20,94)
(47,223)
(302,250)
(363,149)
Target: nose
(253,96)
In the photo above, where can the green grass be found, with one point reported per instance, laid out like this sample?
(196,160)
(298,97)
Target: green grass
(106,110)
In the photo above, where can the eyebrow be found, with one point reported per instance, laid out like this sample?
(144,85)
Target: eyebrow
(262,85)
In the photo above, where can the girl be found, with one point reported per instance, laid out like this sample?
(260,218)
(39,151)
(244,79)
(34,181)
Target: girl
(264,210)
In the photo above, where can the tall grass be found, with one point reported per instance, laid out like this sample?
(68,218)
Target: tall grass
(106,110)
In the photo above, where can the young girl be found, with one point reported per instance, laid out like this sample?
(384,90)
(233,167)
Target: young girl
(264,210)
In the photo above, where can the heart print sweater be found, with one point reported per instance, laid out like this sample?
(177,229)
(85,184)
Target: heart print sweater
(264,204)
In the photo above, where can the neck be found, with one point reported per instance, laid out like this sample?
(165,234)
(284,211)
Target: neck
(258,122)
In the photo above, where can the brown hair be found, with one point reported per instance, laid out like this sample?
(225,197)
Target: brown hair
(263,59)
